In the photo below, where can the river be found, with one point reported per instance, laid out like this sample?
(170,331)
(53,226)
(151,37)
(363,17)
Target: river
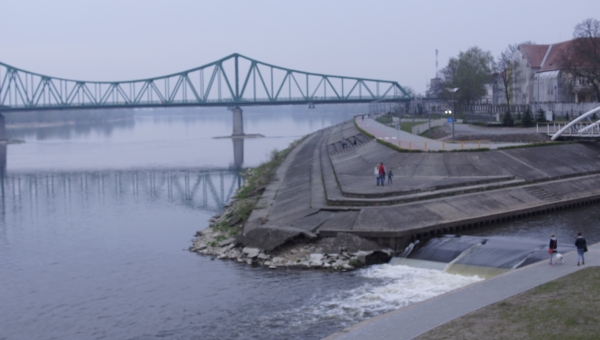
(96,221)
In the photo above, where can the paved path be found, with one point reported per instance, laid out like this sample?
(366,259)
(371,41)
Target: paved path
(412,321)
(406,140)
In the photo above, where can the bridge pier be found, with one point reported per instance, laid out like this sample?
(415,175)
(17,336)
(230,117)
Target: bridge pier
(238,122)
(238,153)
(2,162)
(2,128)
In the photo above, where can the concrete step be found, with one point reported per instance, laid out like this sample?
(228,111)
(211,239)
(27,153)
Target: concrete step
(472,182)
(348,201)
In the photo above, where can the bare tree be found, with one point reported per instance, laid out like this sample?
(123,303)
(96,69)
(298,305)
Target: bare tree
(583,60)
(504,67)
(411,92)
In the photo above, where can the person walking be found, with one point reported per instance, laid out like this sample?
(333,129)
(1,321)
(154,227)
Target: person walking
(581,248)
(382,173)
(552,247)
(390,174)
(376,172)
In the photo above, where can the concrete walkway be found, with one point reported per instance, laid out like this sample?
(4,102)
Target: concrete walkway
(412,321)
(406,140)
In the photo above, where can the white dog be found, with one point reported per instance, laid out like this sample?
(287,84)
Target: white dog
(558,258)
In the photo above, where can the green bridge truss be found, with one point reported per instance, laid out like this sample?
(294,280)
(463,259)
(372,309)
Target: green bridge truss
(235,80)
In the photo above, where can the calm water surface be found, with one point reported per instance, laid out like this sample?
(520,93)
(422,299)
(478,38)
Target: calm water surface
(96,221)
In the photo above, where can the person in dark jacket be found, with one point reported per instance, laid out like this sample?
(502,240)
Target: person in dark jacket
(581,247)
(552,247)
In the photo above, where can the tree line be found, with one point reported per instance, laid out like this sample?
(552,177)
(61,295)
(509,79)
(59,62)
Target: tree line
(475,68)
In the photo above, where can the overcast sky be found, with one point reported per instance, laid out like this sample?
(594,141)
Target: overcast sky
(391,40)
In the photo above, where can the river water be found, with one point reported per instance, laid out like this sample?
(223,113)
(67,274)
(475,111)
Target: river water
(96,221)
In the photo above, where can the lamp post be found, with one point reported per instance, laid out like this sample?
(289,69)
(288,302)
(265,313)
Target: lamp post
(452,90)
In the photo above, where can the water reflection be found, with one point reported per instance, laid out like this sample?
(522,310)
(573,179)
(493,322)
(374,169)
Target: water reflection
(2,175)
(238,153)
(66,132)
(205,190)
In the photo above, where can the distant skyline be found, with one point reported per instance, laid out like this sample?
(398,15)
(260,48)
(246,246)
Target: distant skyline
(131,39)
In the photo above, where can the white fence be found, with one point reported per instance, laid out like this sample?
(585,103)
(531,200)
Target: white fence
(490,113)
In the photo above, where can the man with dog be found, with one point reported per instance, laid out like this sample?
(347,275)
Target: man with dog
(581,248)
(552,247)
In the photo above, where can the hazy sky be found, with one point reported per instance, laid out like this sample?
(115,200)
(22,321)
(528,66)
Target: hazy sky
(391,40)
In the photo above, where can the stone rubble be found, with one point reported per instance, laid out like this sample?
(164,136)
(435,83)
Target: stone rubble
(296,254)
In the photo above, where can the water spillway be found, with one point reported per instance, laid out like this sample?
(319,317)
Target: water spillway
(474,255)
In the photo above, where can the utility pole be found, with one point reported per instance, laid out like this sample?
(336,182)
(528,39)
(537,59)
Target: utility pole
(452,90)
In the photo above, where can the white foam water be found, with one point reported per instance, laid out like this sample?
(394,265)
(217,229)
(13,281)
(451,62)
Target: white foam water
(388,288)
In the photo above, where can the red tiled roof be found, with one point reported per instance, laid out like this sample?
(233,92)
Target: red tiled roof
(552,60)
(534,54)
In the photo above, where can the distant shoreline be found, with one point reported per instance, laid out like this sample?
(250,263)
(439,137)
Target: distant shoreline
(57,124)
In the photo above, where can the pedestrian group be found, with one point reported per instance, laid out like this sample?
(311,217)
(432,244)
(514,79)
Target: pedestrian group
(380,173)
(580,244)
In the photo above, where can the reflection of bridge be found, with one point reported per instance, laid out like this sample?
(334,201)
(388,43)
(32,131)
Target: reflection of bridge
(235,80)
(207,190)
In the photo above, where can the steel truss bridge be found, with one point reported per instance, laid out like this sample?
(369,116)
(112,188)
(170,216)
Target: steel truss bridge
(235,80)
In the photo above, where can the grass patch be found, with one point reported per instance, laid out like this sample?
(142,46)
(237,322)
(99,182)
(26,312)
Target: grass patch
(407,126)
(247,197)
(262,174)
(562,309)
(426,133)
(535,145)
(385,119)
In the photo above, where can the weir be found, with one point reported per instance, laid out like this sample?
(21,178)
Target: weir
(481,256)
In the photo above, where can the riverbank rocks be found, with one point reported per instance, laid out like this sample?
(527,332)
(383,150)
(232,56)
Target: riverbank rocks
(271,237)
(301,249)
(347,243)
(251,252)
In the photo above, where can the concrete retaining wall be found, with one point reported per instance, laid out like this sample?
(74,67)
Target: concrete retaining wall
(419,129)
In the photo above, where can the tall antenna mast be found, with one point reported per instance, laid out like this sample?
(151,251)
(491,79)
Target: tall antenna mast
(436,63)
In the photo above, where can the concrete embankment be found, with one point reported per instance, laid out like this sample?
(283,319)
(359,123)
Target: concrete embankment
(326,190)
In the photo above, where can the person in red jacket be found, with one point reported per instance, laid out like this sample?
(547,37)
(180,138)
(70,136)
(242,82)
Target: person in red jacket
(381,174)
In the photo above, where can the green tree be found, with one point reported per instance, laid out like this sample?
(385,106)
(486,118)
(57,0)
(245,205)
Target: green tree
(527,118)
(470,72)
(541,116)
(508,119)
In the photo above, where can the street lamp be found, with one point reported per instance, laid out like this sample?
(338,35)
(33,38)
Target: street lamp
(452,90)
